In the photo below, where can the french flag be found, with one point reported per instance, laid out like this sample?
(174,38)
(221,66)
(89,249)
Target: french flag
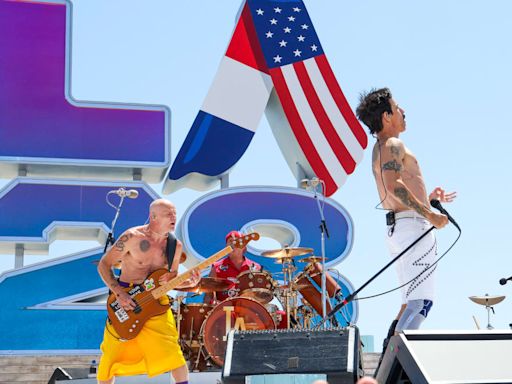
(229,116)
(274,64)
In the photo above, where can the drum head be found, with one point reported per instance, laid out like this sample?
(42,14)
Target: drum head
(244,312)
(257,285)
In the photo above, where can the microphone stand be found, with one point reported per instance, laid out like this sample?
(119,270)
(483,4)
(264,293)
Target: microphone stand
(323,232)
(110,237)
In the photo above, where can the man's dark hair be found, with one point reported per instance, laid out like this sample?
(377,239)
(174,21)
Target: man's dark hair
(371,107)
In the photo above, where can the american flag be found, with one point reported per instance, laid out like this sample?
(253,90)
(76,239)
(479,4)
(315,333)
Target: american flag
(328,133)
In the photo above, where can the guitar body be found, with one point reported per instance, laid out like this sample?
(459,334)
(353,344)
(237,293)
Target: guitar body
(129,323)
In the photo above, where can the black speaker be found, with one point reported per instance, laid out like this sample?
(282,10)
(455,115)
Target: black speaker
(422,357)
(59,374)
(335,352)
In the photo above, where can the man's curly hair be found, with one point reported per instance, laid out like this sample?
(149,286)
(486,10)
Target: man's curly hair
(371,107)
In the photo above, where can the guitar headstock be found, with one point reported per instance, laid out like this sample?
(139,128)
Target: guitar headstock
(241,242)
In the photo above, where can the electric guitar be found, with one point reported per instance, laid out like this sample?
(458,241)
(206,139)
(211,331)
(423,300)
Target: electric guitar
(128,323)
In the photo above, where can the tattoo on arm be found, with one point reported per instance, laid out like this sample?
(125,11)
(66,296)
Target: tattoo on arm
(395,150)
(406,198)
(144,245)
(120,243)
(392,166)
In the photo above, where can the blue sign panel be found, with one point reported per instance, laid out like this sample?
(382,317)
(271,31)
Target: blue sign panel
(35,211)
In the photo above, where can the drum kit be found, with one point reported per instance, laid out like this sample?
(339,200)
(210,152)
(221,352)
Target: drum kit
(203,327)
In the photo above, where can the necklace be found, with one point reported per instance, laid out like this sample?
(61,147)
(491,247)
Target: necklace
(156,233)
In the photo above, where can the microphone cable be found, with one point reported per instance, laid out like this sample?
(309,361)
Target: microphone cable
(419,274)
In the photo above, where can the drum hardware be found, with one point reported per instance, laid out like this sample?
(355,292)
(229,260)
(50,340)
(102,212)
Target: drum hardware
(488,302)
(288,290)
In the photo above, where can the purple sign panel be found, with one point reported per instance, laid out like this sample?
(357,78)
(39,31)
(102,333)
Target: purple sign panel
(41,126)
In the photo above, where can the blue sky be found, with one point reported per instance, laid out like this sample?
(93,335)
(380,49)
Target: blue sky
(447,64)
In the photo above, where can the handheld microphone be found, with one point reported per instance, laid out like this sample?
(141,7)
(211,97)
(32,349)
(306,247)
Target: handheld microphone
(503,281)
(437,205)
(129,193)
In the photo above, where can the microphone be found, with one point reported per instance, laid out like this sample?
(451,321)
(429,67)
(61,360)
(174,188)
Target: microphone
(437,205)
(503,281)
(129,193)
(307,183)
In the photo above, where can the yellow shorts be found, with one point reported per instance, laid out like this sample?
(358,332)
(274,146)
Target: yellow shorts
(153,351)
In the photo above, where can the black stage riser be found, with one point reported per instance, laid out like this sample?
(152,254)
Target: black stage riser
(424,357)
(335,352)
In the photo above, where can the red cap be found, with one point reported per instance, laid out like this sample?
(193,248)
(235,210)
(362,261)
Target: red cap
(233,234)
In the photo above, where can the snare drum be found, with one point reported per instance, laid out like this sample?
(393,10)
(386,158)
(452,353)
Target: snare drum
(242,312)
(257,285)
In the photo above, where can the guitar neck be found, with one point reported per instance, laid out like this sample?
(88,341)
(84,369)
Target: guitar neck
(177,281)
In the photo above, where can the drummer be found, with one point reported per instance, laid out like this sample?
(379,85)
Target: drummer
(229,268)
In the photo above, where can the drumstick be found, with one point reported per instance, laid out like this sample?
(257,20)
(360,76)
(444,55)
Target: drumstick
(476,322)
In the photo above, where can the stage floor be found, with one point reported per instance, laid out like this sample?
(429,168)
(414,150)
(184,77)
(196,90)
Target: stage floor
(195,378)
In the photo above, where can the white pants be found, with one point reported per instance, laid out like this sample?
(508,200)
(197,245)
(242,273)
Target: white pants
(409,226)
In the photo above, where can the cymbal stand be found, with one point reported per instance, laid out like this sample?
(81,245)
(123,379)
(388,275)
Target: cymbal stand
(179,300)
(288,269)
(489,309)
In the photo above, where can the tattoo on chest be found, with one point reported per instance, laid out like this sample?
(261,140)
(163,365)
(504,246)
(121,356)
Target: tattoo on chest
(144,245)
(120,243)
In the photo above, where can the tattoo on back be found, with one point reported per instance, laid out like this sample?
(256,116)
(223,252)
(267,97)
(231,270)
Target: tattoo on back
(144,245)
(392,166)
(404,196)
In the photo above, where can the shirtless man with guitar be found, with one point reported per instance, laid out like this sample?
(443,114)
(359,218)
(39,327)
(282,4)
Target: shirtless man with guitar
(140,335)
(153,348)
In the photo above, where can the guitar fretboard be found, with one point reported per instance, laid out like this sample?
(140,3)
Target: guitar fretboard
(177,281)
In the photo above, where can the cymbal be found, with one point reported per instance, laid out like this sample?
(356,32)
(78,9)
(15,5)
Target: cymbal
(209,284)
(312,259)
(287,252)
(487,300)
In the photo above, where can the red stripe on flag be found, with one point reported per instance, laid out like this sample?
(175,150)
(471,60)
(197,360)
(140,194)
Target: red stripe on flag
(244,46)
(337,146)
(341,101)
(307,146)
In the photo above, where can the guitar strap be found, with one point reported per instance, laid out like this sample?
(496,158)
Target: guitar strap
(171,249)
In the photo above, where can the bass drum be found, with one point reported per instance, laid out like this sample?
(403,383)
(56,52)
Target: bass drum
(242,312)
